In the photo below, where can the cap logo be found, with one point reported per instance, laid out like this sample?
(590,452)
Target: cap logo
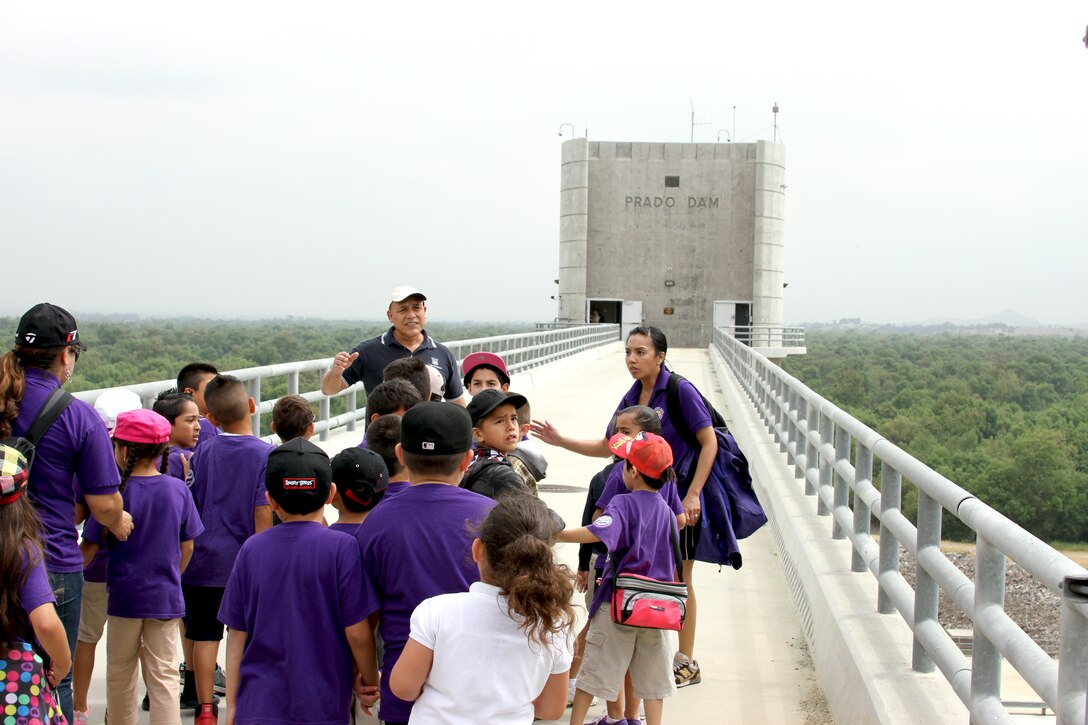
(434,361)
(300,484)
(30,337)
(427,446)
(72,336)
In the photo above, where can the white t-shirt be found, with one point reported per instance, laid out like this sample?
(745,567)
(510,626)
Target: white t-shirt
(485,669)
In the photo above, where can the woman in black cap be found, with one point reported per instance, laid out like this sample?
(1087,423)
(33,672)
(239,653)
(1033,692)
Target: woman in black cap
(72,460)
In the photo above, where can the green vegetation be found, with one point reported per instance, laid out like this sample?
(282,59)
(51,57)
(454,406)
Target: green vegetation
(125,353)
(1004,417)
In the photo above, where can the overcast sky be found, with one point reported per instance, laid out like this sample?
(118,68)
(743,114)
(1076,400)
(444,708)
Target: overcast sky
(265,159)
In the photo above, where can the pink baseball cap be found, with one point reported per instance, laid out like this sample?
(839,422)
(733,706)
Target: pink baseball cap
(650,454)
(141,426)
(475,359)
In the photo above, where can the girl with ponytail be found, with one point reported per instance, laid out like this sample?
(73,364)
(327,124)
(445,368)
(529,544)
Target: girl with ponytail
(500,652)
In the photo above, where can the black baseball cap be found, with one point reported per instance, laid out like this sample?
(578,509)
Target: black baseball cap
(487,400)
(298,476)
(361,477)
(436,429)
(46,325)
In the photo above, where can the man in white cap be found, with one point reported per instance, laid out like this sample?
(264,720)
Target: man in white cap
(406,337)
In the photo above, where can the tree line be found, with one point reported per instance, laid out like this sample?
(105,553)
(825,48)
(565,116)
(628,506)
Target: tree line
(1004,417)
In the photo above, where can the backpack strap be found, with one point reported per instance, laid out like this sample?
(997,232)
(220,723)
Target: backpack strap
(676,415)
(51,409)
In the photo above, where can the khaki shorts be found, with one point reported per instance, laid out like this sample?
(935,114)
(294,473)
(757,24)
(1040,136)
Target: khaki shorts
(92,617)
(612,649)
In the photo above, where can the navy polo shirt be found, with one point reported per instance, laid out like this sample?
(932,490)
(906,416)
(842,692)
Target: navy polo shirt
(377,352)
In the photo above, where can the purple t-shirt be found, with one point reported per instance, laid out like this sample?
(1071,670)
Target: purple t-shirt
(395,487)
(143,575)
(207,432)
(74,452)
(691,405)
(349,529)
(637,528)
(228,486)
(615,486)
(294,589)
(176,468)
(414,546)
(96,570)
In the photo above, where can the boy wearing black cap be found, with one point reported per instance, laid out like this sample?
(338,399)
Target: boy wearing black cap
(496,432)
(294,605)
(360,479)
(417,544)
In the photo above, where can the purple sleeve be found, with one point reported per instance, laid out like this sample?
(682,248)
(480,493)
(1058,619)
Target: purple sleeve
(259,499)
(353,604)
(613,487)
(191,525)
(35,591)
(672,497)
(96,468)
(370,591)
(609,527)
(94,531)
(232,610)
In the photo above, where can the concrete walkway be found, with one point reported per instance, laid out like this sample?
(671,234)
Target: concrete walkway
(755,664)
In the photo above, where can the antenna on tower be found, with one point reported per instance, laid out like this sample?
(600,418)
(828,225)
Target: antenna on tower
(774,110)
(691,101)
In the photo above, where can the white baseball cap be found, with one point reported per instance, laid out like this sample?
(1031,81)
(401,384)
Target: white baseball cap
(112,403)
(404,292)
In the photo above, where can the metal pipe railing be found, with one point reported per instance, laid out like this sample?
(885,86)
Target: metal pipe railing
(520,351)
(836,455)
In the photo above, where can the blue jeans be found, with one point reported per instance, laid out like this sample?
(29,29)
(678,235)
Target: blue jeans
(68,589)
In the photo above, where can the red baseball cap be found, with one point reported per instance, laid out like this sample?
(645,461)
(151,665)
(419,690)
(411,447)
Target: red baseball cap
(650,454)
(475,359)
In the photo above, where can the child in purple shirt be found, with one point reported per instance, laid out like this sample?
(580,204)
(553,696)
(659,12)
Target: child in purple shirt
(181,412)
(637,529)
(28,621)
(383,437)
(228,488)
(417,544)
(143,575)
(361,478)
(294,606)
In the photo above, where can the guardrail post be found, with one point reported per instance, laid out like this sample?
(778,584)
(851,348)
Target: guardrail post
(292,383)
(989,592)
(800,460)
(353,406)
(1073,655)
(254,387)
(323,408)
(926,589)
(826,436)
(781,417)
(812,454)
(891,495)
(863,474)
(841,497)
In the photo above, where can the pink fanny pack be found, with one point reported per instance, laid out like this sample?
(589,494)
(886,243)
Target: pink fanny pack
(639,601)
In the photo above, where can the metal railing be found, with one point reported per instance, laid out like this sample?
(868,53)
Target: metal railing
(765,336)
(520,352)
(835,454)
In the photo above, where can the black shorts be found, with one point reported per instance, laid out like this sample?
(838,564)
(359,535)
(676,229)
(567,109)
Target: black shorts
(689,539)
(202,613)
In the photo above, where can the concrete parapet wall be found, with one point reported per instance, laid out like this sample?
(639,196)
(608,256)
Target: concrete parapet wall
(862,658)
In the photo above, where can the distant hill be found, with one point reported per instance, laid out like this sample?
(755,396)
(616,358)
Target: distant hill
(1009,317)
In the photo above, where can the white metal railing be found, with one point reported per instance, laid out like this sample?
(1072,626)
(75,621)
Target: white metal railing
(835,454)
(520,352)
(765,336)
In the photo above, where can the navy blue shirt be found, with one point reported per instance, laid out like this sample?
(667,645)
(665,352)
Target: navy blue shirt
(377,352)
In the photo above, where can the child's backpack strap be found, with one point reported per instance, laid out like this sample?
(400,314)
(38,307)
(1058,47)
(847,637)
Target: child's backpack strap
(51,409)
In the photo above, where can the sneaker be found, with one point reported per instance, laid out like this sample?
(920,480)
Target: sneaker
(220,686)
(189,702)
(207,715)
(81,717)
(686,671)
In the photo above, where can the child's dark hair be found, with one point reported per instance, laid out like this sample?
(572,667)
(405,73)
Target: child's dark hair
(413,370)
(292,417)
(20,549)
(517,536)
(227,399)
(382,437)
(392,395)
(190,376)
(669,474)
(138,452)
(646,418)
(170,403)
